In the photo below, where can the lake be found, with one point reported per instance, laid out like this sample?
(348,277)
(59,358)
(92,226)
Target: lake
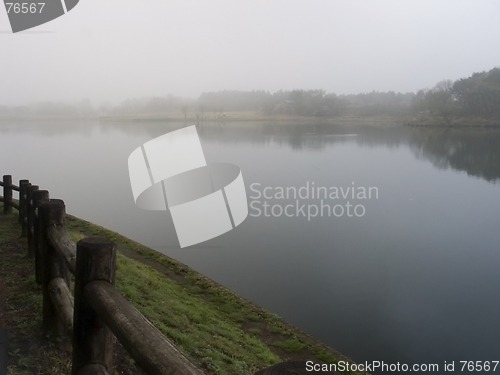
(381,241)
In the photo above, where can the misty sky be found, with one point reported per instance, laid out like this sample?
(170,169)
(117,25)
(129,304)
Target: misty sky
(116,49)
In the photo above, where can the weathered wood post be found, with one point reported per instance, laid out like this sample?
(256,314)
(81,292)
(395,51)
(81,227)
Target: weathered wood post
(7,194)
(30,215)
(39,196)
(92,339)
(51,213)
(23,185)
(22,207)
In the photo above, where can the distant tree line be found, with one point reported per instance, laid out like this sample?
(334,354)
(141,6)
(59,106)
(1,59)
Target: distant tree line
(478,95)
(81,109)
(308,102)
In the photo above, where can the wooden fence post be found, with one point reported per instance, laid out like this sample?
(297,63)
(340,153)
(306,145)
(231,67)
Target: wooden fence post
(38,197)
(22,207)
(51,213)
(92,339)
(7,194)
(23,185)
(30,215)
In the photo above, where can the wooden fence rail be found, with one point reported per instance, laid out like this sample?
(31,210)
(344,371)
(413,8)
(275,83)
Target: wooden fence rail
(97,311)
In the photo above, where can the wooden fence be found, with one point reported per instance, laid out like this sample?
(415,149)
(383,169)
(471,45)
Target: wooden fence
(97,311)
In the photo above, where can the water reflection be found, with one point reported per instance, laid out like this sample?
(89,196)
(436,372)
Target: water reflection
(472,151)
(476,152)
(414,280)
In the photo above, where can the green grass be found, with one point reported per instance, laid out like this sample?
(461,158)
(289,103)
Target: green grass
(29,351)
(290,345)
(219,331)
(201,330)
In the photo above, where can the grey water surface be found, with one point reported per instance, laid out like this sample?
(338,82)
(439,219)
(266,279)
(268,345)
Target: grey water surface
(413,279)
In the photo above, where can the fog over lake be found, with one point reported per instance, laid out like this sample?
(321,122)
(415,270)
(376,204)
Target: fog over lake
(115,50)
(410,277)
(366,133)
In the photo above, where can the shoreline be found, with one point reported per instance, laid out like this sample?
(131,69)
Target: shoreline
(241,118)
(218,330)
(285,340)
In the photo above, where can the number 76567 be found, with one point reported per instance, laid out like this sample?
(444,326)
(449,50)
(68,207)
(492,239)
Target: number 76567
(24,7)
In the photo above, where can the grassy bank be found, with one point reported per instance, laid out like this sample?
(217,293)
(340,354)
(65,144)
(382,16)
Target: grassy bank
(219,331)
(428,120)
(242,117)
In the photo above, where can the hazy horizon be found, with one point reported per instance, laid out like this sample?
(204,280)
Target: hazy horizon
(109,52)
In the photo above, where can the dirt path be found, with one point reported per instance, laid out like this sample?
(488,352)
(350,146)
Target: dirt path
(20,303)
(3,296)
(3,326)
(5,246)
(29,351)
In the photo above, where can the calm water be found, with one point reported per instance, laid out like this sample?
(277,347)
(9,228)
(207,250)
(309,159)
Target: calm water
(413,279)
